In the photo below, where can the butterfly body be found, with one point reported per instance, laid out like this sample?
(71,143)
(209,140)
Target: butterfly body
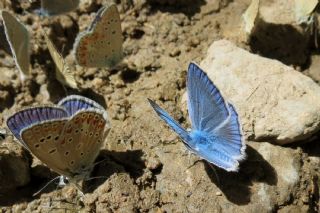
(66,137)
(216,134)
(200,140)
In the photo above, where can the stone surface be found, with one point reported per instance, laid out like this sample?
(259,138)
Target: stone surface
(275,102)
(283,14)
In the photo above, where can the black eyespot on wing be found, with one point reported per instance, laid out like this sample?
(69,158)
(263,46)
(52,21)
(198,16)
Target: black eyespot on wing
(52,151)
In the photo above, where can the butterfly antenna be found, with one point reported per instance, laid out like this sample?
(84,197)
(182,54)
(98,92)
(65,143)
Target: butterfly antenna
(35,194)
(97,177)
(99,162)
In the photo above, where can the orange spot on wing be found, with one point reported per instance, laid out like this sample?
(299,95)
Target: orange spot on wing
(63,141)
(69,130)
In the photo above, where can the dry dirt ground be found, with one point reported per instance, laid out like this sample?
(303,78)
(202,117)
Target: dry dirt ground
(147,169)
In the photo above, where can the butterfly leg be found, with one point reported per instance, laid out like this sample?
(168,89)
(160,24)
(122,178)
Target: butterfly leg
(215,172)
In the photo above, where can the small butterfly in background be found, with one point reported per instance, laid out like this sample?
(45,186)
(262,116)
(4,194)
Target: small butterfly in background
(216,134)
(304,11)
(18,38)
(66,137)
(251,15)
(101,44)
(58,7)
(63,72)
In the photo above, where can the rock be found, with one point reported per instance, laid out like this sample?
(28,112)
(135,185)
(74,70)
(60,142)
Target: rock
(275,102)
(14,166)
(264,181)
(283,14)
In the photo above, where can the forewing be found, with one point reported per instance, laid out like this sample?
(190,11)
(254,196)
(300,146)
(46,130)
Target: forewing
(101,44)
(171,122)
(19,39)
(74,103)
(31,116)
(207,107)
(82,139)
(42,140)
(250,15)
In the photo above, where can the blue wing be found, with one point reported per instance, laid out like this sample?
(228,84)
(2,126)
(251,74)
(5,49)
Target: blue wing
(230,138)
(30,116)
(171,122)
(225,147)
(74,103)
(207,108)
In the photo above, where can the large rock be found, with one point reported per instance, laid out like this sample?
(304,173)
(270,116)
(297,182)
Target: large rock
(275,102)
(278,12)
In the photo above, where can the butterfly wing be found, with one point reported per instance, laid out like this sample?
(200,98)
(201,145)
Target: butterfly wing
(207,108)
(171,122)
(101,44)
(42,140)
(63,72)
(304,10)
(30,116)
(250,15)
(19,39)
(74,103)
(57,7)
(83,137)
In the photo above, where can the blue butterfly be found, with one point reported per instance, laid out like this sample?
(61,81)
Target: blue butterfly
(216,134)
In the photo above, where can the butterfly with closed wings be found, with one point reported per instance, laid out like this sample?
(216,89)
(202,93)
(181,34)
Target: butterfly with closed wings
(18,38)
(216,134)
(63,72)
(101,44)
(66,137)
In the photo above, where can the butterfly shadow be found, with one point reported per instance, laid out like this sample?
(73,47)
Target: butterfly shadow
(282,42)
(236,185)
(115,162)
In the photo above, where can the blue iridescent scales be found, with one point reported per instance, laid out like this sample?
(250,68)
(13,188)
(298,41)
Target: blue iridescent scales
(66,137)
(216,134)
